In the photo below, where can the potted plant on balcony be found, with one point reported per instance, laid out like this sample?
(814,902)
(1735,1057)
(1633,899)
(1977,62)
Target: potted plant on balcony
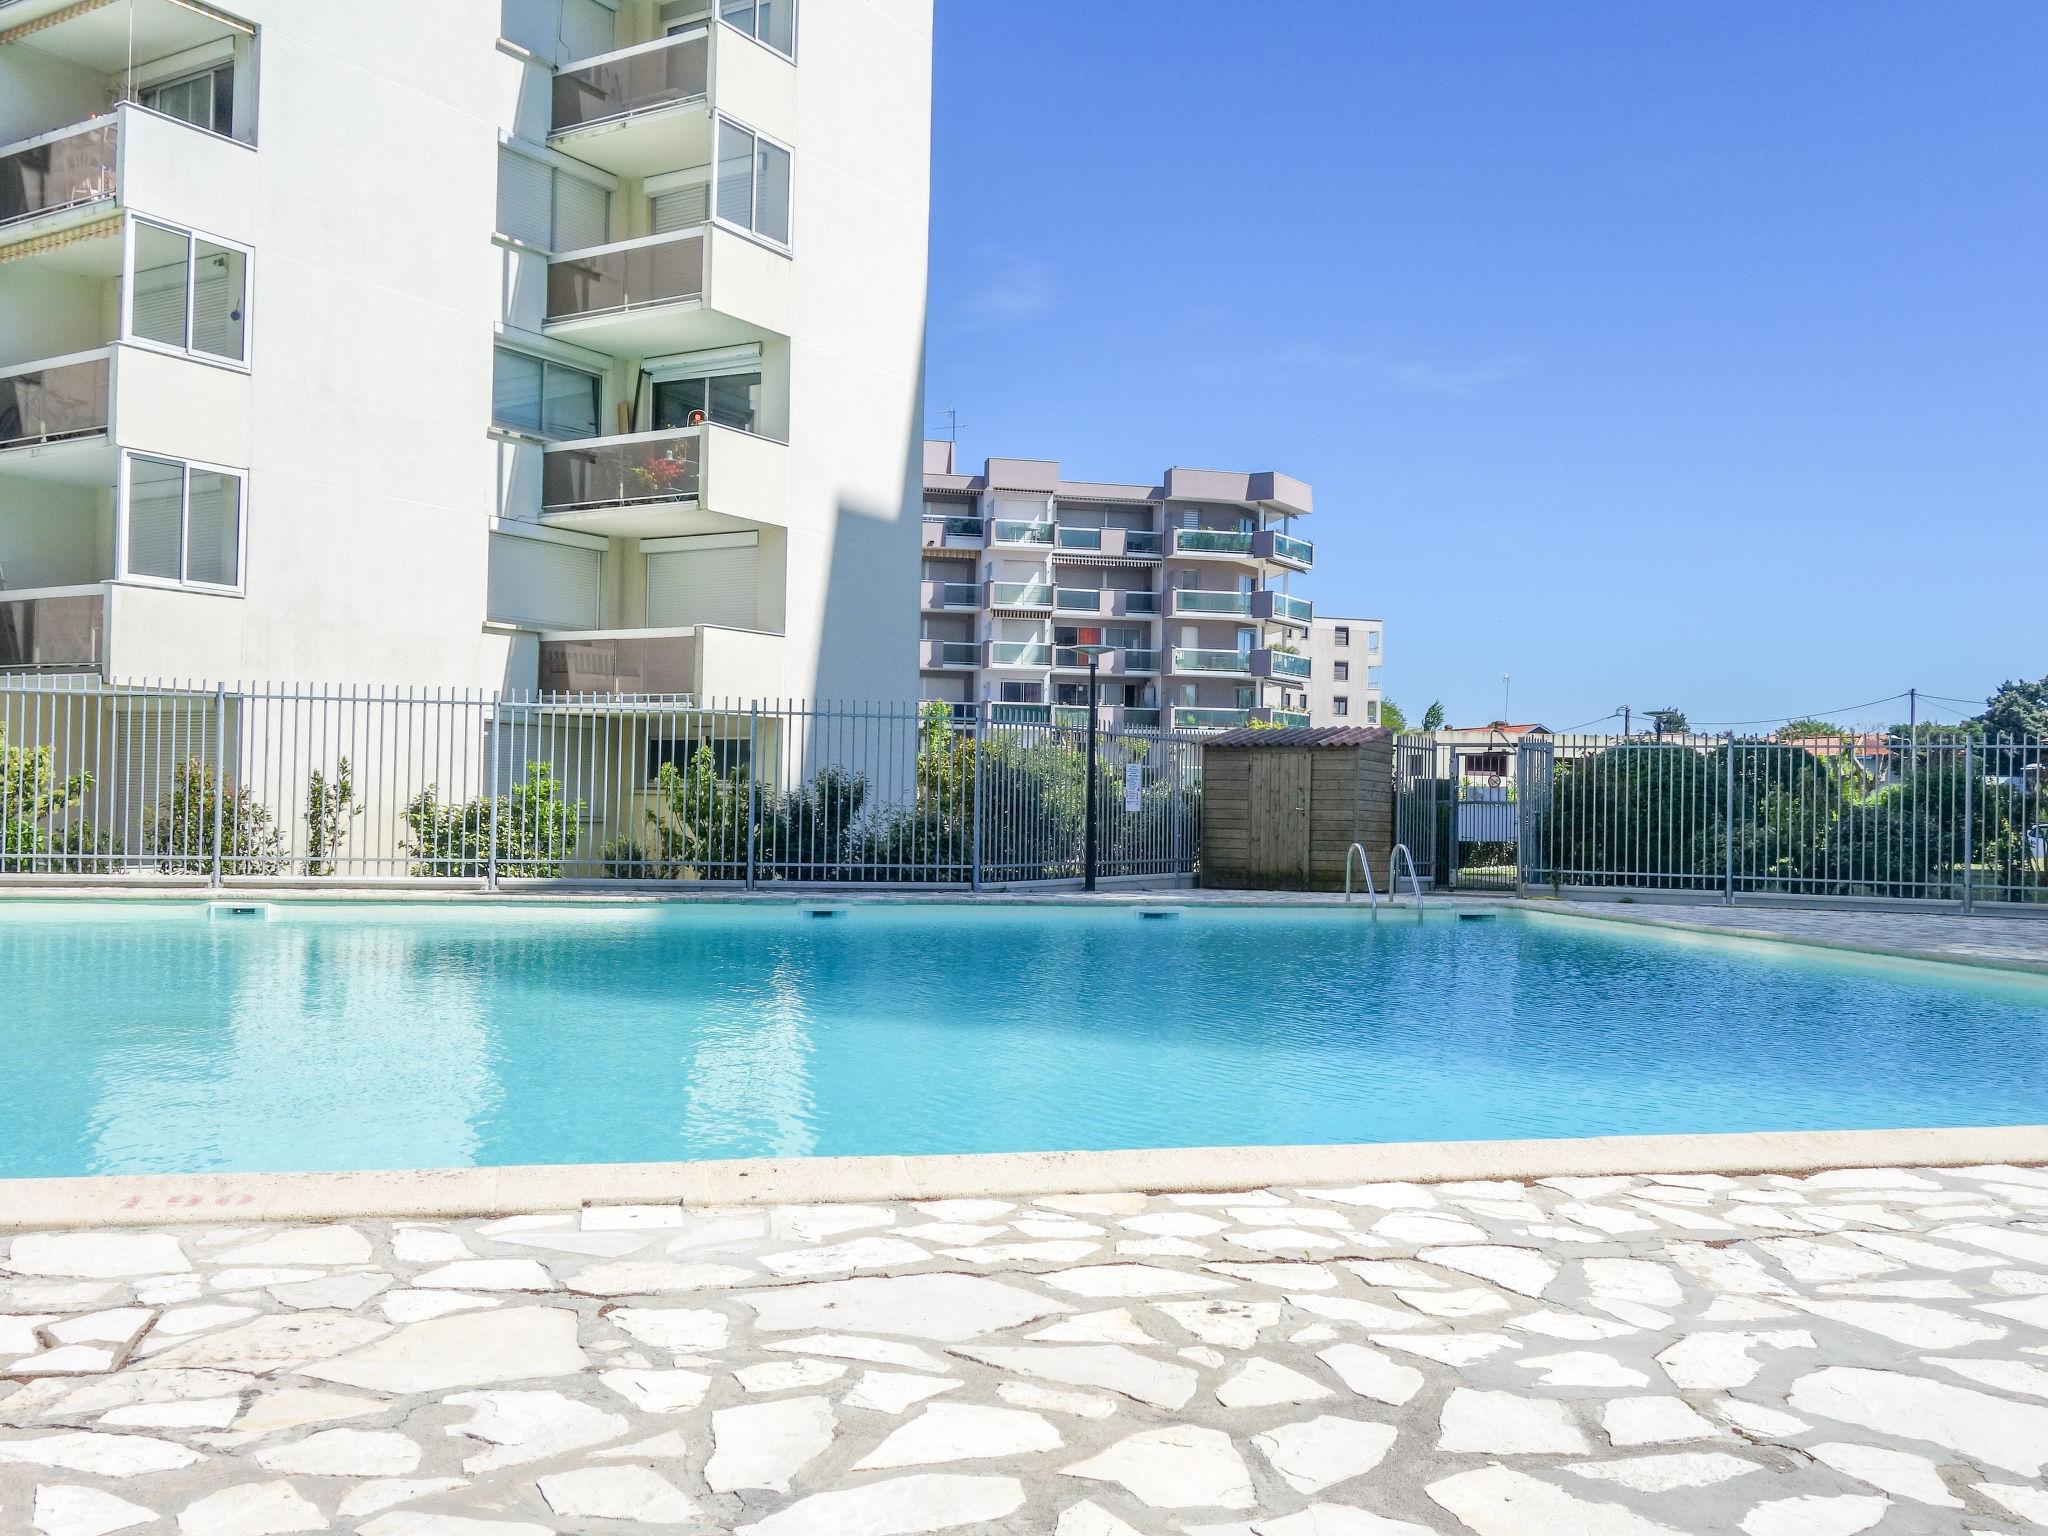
(661,475)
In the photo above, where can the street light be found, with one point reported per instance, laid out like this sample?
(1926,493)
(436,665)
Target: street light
(1094,653)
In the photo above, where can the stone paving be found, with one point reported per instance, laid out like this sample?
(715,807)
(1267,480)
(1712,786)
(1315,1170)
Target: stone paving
(1771,1356)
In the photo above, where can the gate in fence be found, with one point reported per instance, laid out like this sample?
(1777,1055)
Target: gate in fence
(1948,820)
(277,783)
(1456,807)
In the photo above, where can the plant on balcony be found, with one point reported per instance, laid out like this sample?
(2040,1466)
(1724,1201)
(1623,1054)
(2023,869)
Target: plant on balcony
(330,807)
(660,475)
(537,829)
(202,825)
(30,795)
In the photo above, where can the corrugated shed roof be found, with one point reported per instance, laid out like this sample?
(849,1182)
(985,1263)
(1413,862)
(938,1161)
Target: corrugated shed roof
(1301,736)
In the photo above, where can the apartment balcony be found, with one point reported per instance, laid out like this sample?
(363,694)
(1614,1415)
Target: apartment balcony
(1109,602)
(85,173)
(620,662)
(1192,600)
(1283,549)
(1020,714)
(653,484)
(64,419)
(1188,717)
(965,533)
(1285,666)
(56,419)
(1286,717)
(678,292)
(1020,535)
(948,655)
(1033,654)
(1021,596)
(54,629)
(1212,544)
(1207,663)
(1282,608)
(648,109)
(1108,543)
(1122,662)
(938,596)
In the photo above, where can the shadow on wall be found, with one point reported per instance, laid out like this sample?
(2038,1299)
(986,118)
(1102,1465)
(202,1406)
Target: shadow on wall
(867,637)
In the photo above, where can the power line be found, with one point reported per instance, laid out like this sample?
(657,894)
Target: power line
(1594,721)
(1815,714)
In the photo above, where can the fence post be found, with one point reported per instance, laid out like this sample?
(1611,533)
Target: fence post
(753,786)
(974,801)
(1969,826)
(492,745)
(1728,832)
(220,752)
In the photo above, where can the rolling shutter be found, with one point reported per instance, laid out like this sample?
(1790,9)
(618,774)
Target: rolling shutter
(582,213)
(682,208)
(707,581)
(525,199)
(542,584)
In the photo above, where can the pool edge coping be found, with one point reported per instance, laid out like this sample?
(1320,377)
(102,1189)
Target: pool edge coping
(156,1200)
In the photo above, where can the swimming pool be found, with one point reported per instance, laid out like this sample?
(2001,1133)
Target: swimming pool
(145,1037)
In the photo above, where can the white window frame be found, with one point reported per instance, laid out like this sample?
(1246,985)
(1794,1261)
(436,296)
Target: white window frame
(795,29)
(123,485)
(754,184)
(134,222)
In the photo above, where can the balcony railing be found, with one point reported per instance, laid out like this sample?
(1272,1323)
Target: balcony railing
(60,170)
(1141,602)
(1006,531)
(1077,599)
(624,662)
(940,532)
(1236,662)
(1286,717)
(56,629)
(951,653)
(1080,538)
(1020,714)
(1211,541)
(1020,594)
(1019,653)
(1073,717)
(1141,541)
(1193,600)
(633,80)
(49,401)
(1140,718)
(622,471)
(1141,661)
(1283,608)
(628,274)
(1186,718)
(1292,550)
(952,594)
(1289,664)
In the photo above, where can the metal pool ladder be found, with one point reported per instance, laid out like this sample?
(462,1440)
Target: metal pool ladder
(1400,850)
(1365,864)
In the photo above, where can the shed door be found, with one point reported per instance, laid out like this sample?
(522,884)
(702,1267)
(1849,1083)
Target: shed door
(1279,817)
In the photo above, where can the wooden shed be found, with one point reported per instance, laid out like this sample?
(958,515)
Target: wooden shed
(1281,808)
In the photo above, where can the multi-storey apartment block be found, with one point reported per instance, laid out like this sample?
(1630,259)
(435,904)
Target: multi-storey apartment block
(560,343)
(1344,670)
(1188,580)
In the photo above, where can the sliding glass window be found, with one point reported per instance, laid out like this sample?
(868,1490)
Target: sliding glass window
(753,182)
(769,21)
(183,523)
(188,292)
(529,394)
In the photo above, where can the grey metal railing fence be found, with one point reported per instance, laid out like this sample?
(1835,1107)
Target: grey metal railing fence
(268,783)
(1943,819)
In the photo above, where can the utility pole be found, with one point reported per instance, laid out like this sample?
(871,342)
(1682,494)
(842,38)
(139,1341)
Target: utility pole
(1505,680)
(1627,715)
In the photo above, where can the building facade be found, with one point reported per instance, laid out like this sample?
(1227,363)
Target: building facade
(1187,580)
(1344,670)
(572,344)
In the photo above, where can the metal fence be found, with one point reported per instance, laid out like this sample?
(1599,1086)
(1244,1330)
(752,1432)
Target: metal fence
(252,784)
(1962,821)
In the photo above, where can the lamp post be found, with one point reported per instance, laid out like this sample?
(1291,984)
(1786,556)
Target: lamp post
(1094,653)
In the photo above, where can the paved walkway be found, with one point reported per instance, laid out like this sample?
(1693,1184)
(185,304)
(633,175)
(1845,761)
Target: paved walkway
(1999,940)
(1772,1356)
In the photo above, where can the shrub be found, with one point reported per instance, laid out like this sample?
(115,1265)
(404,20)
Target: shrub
(330,807)
(181,832)
(30,795)
(536,830)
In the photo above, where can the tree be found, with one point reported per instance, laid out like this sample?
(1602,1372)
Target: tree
(1433,717)
(1668,722)
(1391,716)
(202,822)
(1794,730)
(2018,710)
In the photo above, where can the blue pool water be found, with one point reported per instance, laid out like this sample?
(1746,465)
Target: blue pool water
(136,1038)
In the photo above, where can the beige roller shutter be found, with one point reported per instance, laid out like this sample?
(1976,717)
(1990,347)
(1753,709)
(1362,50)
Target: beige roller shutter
(706,580)
(542,584)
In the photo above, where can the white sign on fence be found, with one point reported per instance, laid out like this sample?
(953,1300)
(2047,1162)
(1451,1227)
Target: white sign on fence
(1134,786)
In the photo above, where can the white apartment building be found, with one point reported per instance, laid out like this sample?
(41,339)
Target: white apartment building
(1188,581)
(572,344)
(1344,670)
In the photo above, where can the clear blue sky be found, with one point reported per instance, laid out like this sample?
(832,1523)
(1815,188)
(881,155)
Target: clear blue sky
(1688,354)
